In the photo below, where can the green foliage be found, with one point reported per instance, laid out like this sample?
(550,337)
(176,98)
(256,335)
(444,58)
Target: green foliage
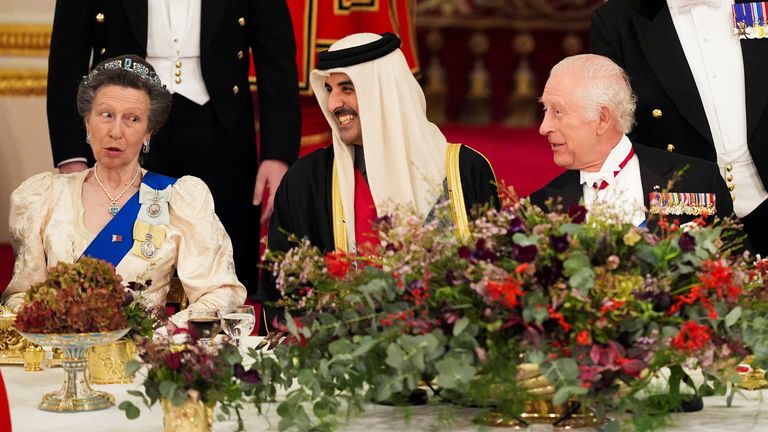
(530,305)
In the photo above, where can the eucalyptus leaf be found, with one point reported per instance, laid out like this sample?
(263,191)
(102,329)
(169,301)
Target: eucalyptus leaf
(364,347)
(524,240)
(139,394)
(395,356)
(167,389)
(454,373)
(131,411)
(132,367)
(583,279)
(460,326)
(571,229)
(733,316)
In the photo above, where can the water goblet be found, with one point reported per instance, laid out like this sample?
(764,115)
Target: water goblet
(238,322)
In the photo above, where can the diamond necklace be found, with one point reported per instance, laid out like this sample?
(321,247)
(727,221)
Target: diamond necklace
(113,206)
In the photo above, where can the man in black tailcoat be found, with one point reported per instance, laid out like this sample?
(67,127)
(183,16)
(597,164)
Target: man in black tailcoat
(700,87)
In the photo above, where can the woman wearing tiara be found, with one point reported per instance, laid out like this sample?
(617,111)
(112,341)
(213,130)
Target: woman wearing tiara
(147,225)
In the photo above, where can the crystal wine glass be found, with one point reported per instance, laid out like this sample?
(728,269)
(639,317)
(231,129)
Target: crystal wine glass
(238,322)
(206,322)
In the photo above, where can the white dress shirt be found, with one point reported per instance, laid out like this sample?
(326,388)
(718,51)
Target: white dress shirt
(624,195)
(714,56)
(173,46)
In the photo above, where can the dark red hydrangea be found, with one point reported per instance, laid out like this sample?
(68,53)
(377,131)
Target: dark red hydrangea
(81,297)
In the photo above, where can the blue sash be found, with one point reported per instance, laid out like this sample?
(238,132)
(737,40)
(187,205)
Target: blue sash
(102,246)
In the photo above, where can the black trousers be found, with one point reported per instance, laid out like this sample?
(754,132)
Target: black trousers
(194,142)
(756,226)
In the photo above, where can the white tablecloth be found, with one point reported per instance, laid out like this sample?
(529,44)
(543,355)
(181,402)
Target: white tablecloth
(25,389)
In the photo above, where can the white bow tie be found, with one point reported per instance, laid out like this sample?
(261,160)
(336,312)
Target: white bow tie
(686,5)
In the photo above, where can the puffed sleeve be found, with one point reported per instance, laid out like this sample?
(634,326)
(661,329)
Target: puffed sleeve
(29,215)
(204,261)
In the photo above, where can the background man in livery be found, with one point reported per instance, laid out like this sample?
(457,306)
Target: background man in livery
(701,89)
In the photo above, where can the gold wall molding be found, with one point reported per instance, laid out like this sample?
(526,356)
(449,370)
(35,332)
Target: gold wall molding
(25,39)
(23,82)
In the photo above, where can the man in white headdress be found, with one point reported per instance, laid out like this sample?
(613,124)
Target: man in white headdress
(385,153)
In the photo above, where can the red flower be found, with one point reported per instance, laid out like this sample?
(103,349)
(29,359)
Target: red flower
(508,291)
(584,338)
(173,361)
(338,264)
(557,316)
(691,337)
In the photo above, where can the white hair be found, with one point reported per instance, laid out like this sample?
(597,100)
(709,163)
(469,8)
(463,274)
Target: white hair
(605,84)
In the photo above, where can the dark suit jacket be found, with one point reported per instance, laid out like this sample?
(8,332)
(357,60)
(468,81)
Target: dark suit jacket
(267,31)
(640,37)
(657,167)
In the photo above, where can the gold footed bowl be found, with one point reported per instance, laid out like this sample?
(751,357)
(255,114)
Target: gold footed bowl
(191,416)
(106,363)
(76,394)
(541,410)
(751,378)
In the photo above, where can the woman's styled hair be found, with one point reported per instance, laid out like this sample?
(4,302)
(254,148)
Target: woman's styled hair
(128,71)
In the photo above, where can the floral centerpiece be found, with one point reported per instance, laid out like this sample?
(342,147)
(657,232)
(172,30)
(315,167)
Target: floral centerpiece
(78,306)
(81,297)
(189,377)
(598,306)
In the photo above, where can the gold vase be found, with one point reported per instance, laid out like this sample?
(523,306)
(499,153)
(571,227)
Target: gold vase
(12,344)
(106,363)
(191,416)
(540,409)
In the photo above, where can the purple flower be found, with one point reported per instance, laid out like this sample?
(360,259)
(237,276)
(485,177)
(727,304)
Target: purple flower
(128,299)
(559,243)
(465,252)
(247,376)
(483,253)
(386,219)
(686,242)
(577,213)
(548,275)
(524,253)
(515,225)
(450,278)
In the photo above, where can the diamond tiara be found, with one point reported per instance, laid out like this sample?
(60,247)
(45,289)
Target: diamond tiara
(127,64)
